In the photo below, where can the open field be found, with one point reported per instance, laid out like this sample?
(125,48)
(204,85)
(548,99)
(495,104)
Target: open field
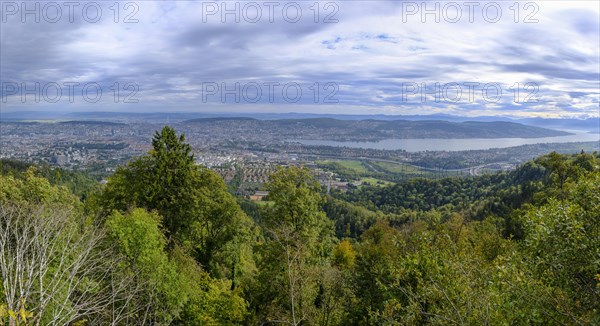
(397,168)
(356,166)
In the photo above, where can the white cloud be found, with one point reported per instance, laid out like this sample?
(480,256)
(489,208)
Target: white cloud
(369,53)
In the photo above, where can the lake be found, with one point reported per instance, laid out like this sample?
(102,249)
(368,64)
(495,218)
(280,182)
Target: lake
(449,144)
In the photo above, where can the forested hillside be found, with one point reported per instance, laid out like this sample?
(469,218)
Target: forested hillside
(165,243)
(369,129)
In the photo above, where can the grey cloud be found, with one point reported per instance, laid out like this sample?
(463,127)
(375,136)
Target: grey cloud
(174,45)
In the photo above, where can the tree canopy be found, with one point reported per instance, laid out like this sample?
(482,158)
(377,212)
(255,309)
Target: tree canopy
(165,242)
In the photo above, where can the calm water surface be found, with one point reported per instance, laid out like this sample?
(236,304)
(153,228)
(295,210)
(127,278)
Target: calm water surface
(449,144)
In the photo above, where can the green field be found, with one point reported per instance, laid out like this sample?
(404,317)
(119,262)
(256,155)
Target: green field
(355,166)
(397,167)
(373,171)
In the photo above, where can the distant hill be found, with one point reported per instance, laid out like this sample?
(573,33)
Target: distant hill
(330,128)
(92,123)
(589,124)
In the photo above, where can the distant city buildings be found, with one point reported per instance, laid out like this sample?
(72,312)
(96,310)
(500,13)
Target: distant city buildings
(243,156)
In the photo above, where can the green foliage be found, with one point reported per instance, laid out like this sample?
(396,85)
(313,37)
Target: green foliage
(298,241)
(344,255)
(176,289)
(170,245)
(297,201)
(196,208)
(222,232)
(53,269)
(425,194)
(82,184)
(441,274)
(201,220)
(352,220)
(456,271)
(211,301)
(28,188)
(139,238)
(562,241)
(164,180)
(19,317)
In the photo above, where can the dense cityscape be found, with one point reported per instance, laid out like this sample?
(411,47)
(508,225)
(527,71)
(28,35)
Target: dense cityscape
(245,160)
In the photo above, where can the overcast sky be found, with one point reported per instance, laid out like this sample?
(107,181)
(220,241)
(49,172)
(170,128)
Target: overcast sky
(347,57)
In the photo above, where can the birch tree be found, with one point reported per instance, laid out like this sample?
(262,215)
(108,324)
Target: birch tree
(56,270)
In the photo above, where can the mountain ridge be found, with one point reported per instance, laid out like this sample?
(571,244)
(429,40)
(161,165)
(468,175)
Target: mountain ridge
(317,128)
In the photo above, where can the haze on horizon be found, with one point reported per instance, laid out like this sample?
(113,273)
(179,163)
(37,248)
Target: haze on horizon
(353,57)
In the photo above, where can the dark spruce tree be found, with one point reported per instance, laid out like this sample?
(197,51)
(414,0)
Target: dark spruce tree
(197,211)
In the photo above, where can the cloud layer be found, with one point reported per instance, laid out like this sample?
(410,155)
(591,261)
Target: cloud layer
(494,58)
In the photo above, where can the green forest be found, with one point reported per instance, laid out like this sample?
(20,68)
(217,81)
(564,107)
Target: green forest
(165,242)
